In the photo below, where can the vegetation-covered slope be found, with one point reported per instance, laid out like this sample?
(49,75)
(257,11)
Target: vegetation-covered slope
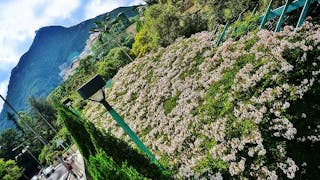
(248,108)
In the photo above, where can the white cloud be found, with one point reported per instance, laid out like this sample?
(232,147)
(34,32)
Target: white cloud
(60,8)
(136,2)
(20,19)
(97,7)
(3,91)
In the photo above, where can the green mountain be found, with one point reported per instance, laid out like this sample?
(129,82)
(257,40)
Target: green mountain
(53,48)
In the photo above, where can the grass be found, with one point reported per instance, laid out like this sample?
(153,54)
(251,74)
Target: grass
(171,103)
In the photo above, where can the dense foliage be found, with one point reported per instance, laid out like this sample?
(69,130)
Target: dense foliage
(102,166)
(109,65)
(237,110)
(110,47)
(9,139)
(163,24)
(14,142)
(165,21)
(103,148)
(11,149)
(9,170)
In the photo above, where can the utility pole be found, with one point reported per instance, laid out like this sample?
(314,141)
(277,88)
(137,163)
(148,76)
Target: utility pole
(45,120)
(31,129)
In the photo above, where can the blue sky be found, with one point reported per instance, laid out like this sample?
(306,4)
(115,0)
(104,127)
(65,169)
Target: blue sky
(19,19)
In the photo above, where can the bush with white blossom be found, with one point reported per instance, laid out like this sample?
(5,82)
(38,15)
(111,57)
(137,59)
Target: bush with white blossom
(248,108)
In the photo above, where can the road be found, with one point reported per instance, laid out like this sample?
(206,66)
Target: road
(61,172)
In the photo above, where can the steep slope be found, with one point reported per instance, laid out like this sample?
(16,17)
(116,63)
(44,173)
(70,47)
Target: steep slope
(245,109)
(37,72)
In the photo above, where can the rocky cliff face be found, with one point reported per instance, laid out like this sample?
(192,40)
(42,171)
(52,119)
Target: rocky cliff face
(53,48)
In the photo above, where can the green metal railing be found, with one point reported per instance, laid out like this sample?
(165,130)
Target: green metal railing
(223,34)
(290,5)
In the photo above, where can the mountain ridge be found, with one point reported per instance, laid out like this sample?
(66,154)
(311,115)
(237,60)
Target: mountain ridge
(37,71)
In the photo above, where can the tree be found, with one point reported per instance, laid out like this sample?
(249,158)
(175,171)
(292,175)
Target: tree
(162,25)
(102,166)
(77,130)
(110,64)
(42,110)
(108,30)
(9,139)
(9,170)
(47,154)
(92,141)
(11,117)
(151,2)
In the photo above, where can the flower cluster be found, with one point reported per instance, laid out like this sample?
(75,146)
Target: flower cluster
(278,125)
(193,100)
(289,168)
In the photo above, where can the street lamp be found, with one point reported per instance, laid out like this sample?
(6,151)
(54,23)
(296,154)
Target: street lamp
(93,90)
(67,102)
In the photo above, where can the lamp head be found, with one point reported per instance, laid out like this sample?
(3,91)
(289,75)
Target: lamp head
(93,89)
(67,102)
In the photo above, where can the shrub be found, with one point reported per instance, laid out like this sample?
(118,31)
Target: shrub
(9,170)
(221,11)
(102,166)
(144,43)
(76,128)
(92,141)
(245,25)
(194,22)
(110,64)
(46,155)
(162,26)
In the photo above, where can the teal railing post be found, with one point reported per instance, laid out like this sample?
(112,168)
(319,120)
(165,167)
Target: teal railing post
(216,29)
(235,28)
(131,134)
(108,84)
(223,33)
(304,13)
(76,112)
(252,14)
(214,33)
(281,18)
(254,9)
(265,17)
(293,6)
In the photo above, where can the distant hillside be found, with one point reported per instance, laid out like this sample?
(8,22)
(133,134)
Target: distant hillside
(37,72)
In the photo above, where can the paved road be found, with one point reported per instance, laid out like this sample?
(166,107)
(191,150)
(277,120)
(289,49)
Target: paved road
(61,172)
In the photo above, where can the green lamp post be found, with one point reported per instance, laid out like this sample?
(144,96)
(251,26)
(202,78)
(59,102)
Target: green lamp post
(93,90)
(68,102)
